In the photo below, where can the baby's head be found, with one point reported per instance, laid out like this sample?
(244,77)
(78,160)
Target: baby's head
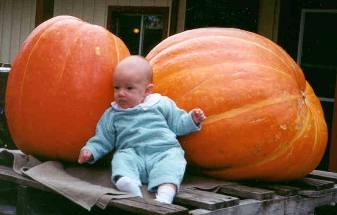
(132,81)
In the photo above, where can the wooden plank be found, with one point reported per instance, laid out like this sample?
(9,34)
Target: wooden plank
(7,186)
(313,184)
(324,175)
(282,190)
(279,205)
(244,191)
(250,207)
(199,212)
(141,206)
(279,189)
(100,13)
(6,209)
(138,205)
(162,3)
(7,174)
(6,36)
(22,200)
(67,7)
(317,193)
(148,3)
(57,7)
(26,18)
(135,3)
(88,11)
(204,199)
(7,198)
(78,9)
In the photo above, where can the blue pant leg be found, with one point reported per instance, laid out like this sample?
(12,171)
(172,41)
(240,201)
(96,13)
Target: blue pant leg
(126,162)
(167,166)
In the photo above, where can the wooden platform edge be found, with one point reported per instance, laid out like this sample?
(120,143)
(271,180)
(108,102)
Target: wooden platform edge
(139,205)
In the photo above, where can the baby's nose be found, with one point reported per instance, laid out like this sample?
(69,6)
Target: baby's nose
(121,92)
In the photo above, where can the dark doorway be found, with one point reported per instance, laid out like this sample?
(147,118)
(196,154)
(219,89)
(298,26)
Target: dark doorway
(222,13)
(140,28)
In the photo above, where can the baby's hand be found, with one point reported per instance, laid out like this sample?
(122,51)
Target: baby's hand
(198,115)
(85,155)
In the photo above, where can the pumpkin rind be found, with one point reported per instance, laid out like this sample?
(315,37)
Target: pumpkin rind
(264,120)
(59,85)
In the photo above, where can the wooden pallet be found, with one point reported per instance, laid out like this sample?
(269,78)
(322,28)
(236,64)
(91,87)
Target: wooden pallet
(244,198)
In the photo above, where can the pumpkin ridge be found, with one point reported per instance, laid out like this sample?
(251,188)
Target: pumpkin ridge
(116,48)
(179,37)
(315,122)
(207,79)
(202,69)
(306,160)
(282,148)
(315,142)
(28,61)
(166,70)
(216,68)
(185,43)
(187,35)
(249,107)
(59,148)
(309,104)
(25,46)
(69,51)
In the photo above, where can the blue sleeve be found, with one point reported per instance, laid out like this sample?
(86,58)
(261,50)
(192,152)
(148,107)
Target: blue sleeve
(104,140)
(178,120)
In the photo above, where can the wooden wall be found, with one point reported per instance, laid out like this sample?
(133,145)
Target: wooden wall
(17,20)
(96,11)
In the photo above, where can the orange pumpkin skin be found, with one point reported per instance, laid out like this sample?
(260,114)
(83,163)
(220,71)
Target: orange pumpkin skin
(263,119)
(59,85)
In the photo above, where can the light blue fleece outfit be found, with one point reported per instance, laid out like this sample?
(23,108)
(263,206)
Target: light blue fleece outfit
(144,141)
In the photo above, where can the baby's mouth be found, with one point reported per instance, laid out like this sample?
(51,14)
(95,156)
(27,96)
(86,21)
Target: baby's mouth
(121,101)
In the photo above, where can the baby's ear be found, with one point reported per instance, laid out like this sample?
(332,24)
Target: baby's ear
(149,88)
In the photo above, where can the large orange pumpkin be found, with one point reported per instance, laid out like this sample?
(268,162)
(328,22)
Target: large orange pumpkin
(59,85)
(264,120)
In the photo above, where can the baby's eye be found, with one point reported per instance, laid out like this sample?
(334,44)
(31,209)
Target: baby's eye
(129,88)
(116,88)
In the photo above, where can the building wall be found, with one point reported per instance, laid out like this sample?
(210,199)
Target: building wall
(96,11)
(17,20)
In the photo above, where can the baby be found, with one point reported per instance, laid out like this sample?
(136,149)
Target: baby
(141,128)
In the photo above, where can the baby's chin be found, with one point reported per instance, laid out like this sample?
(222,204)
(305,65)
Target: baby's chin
(126,105)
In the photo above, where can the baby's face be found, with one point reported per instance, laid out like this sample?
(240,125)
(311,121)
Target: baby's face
(130,89)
